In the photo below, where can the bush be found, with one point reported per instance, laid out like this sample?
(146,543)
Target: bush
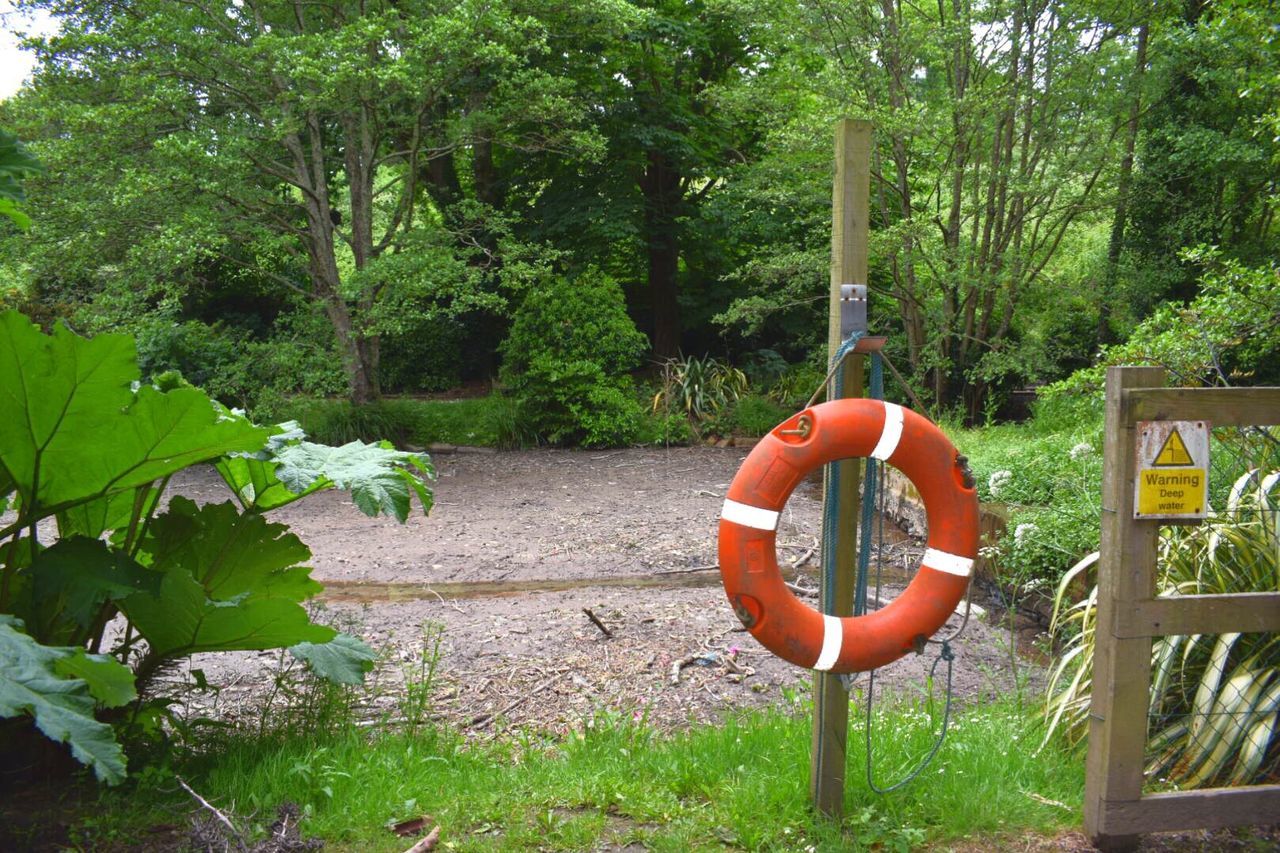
(566,362)
(1226,334)
(754,415)
(242,370)
(1048,472)
(475,421)
(426,358)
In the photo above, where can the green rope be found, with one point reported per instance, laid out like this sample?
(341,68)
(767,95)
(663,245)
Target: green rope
(945,655)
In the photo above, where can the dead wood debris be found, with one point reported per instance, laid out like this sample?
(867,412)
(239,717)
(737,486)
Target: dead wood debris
(217,832)
(595,620)
(427,842)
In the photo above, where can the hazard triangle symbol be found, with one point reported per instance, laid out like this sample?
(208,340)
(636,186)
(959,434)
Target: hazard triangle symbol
(1173,452)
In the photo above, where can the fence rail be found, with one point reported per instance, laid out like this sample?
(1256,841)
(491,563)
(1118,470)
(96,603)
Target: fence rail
(1131,614)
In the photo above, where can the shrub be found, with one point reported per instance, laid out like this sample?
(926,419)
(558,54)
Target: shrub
(1226,333)
(700,387)
(755,415)
(240,369)
(566,362)
(428,357)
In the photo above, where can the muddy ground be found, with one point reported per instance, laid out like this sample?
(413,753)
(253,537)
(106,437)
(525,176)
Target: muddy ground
(519,546)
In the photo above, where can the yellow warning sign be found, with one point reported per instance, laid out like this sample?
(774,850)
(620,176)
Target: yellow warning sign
(1165,493)
(1174,452)
(1172,477)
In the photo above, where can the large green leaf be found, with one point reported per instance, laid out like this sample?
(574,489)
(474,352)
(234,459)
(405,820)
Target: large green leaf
(32,681)
(344,659)
(109,681)
(379,477)
(73,579)
(230,581)
(183,620)
(110,512)
(74,428)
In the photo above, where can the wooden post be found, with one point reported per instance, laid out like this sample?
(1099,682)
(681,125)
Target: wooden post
(850,211)
(1121,665)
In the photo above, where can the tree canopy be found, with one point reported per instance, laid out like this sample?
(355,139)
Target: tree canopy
(373,187)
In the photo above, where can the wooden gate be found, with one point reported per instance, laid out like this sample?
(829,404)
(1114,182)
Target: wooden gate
(1130,614)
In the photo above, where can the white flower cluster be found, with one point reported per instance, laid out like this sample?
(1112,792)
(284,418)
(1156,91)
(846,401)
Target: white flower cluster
(1081,450)
(997,481)
(1022,531)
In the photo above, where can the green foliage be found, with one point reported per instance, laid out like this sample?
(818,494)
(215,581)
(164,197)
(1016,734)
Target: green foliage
(616,780)
(242,367)
(427,356)
(89,448)
(60,686)
(1047,473)
(16,164)
(699,387)
(1225,334)
(566,361)
(379,477)
(754,415)
(475,421)
(1215,699)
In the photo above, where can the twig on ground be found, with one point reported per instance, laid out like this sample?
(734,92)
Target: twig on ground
(805,557)
(801,590)
(222,818)
(452,604)
(427,842)
(484,719)
(707,568)
(595,620)
(678,665)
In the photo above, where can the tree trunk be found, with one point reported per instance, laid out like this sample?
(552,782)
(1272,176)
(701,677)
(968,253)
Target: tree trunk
(1121,214)
(662,196)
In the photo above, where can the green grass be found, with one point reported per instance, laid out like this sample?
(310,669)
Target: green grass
(742,783)
(471,421)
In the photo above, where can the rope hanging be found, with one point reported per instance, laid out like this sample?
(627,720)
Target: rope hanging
(873,488)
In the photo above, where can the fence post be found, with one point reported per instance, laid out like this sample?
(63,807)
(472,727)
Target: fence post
(850,211)
(1121,666)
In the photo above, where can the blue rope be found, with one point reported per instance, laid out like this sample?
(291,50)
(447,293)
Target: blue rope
(871,484)
(831,484)
(832,501)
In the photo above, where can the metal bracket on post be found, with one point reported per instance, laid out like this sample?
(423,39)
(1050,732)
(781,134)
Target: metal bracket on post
(853,309)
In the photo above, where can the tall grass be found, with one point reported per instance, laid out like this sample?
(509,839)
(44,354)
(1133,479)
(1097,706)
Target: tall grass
(471,421)
(617,780)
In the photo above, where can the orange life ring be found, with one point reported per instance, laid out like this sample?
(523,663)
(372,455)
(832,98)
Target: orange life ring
(843,429)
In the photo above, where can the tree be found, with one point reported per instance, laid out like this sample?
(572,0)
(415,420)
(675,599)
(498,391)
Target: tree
(292,138)
(669,98)
(1208,162)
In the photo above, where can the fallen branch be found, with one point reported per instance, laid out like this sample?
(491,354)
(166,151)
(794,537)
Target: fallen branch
(676,666)
(709,568)
(805,557)
(595,620)
(427,842)
(234,833)
(801,590)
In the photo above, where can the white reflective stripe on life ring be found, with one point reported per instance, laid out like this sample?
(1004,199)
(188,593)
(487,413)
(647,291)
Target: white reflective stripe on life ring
(952,564)
(749,516)
(832,638)
(891,434)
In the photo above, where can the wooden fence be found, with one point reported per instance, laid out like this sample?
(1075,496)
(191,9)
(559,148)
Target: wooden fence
(1130,614)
